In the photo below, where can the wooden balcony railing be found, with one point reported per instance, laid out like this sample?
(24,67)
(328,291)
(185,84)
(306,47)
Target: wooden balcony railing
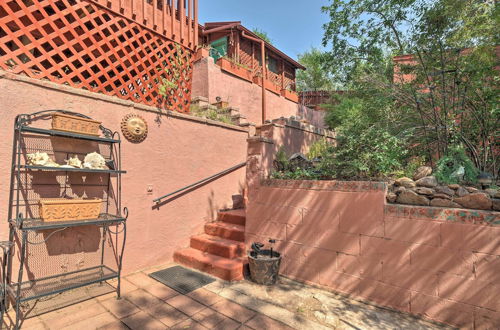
(175,19)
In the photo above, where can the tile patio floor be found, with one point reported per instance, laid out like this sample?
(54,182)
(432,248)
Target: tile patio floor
(148,304)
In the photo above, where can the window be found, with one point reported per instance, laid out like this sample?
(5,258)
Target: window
(218,48)
(273,64)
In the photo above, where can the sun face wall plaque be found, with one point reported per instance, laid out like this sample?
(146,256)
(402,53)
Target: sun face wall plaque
(134,128)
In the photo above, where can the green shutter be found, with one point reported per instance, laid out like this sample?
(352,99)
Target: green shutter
(218,48)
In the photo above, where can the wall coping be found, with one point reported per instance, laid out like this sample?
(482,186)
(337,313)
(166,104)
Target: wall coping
(112,99)
(333,185)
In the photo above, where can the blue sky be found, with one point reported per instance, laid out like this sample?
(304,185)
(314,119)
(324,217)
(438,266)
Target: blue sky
(293,25)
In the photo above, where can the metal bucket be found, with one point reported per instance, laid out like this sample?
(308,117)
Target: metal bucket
(264,267)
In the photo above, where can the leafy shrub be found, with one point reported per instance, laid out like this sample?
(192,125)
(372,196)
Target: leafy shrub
(455,167)
(364,153)
(318,149)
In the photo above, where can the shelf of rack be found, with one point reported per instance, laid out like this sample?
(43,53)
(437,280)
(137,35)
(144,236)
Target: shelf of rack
(68,169)
(52,132)
(39,224)
(46,286)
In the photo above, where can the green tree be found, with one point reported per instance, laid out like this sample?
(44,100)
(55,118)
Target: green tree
(316,77)
(262,34)
(448,97)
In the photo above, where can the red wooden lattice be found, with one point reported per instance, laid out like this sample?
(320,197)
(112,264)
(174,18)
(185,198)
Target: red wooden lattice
(81,44)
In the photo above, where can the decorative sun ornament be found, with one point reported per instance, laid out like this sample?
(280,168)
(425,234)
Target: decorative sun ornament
(134,128)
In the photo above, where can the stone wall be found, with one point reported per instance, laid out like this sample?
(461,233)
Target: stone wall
(442,264)
(210,81)
(179,150)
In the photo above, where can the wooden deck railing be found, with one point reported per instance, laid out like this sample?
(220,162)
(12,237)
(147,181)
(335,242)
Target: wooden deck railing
(175,19)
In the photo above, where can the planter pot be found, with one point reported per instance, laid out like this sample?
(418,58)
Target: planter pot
(264,268)
(270,86)
(290,95)
(221,104)
(75,124)
(62,209)
(234,69)
(201,53)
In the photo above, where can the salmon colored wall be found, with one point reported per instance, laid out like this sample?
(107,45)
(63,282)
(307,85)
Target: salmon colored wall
(210,81)
(178,151)
(442,264)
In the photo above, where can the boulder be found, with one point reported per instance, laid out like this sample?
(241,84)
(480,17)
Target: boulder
(428,181)
(478,201)
(421,172)
(472,189)
(399,190)
(461,192)
(444,190)
(405,182)
(454,186)
(442,196)
(492,192)
(496,204)
(412,198)
(391,197)
(442,202)
(424,191)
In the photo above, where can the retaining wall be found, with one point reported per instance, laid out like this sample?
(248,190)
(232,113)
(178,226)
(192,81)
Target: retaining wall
(179,150)
(443,264)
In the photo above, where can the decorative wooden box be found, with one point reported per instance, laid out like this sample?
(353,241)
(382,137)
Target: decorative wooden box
(63,209)
(75,124)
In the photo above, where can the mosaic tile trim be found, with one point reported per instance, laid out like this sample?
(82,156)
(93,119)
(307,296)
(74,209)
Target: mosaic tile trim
(347,186)
(478,217)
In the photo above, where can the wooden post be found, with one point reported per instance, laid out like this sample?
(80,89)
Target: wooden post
(195,33)
(182,20)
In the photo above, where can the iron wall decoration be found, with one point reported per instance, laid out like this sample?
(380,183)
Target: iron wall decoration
(134,128)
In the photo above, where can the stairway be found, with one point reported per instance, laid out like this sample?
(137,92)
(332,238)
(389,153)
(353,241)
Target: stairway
(220,251)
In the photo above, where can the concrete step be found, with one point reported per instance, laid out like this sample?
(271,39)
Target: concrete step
(223,268)
(226,230)
(236,217)
(218,246)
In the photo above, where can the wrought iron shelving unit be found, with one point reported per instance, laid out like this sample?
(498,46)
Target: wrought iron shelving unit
(56,257)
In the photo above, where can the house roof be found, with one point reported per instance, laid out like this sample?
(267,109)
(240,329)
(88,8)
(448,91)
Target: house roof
(237,25)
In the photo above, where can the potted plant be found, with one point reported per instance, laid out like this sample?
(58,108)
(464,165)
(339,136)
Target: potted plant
(234,68)
(264,264)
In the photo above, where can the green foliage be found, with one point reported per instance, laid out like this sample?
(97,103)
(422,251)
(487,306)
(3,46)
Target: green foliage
(316,77)
(262,34)
(214,114)
(456,167)
(318,148)
(364,152)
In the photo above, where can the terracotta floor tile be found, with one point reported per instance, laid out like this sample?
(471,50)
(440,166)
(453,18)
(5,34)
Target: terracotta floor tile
(120,308)
(126,287)
(142,321)
(188,324)
(229,324)
(141,280)
(95,322)
(142,299)
(185,304)
(161,291)
(33,323)
(72,314)
(263,322)
(233,310)
(205,297)
(209,318)
(166,314)
(118,325)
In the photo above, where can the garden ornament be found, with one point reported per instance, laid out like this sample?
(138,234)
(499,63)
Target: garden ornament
(134,128)
(485,179)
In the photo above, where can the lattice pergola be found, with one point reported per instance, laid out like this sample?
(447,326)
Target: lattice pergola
(84,45)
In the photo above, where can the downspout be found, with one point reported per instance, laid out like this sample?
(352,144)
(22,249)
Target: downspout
(264,70)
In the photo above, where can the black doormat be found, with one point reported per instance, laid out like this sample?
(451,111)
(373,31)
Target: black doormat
(182,279)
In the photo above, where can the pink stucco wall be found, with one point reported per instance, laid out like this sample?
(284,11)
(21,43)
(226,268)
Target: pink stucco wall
(210,81)
(442,264)
(178,151)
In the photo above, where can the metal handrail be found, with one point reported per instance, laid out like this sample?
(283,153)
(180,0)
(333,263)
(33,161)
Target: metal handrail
(158,200)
